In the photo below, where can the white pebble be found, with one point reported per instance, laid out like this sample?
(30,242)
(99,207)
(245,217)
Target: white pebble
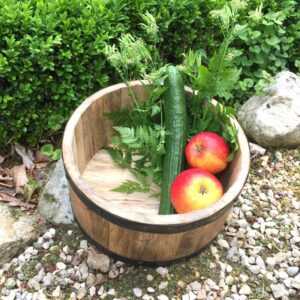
(278,290)
(282,275)
(260,262)
(60,266)
(81,293)
(149,277)
(92,291)
(254,269)
(111,292)
(162,271)
(162,297)
(229,280)
(296,282)
(271,261)
(56,292)
(101,290)
(137,292)
(150,290)
(195,286)
(223,243)
(83,244)
(46,245)
(163,285)
(245,290)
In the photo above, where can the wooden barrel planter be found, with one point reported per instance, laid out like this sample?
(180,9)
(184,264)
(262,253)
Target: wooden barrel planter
(129,226)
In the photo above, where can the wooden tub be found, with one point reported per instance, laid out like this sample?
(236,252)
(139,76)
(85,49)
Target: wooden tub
(129,226)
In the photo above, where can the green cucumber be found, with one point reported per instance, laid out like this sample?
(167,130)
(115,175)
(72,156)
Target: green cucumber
(176,127)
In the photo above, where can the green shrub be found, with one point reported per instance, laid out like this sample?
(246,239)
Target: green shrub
(50,59)
(51,51)
(269,44)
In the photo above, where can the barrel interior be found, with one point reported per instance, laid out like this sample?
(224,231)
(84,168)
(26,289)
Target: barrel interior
(93,132)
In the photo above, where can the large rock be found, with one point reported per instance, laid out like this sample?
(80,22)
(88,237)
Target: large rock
(17,230)
(273,119)
(54,203)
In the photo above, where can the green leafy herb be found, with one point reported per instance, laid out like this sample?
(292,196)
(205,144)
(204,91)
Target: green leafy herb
(216,79)
(139,142)
(130,186)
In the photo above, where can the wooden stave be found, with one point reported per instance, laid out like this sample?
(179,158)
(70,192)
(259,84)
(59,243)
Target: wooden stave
(137,246)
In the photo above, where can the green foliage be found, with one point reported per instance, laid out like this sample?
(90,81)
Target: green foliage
(52,52)
(131,59)
(139,143)
(217,79)
(141,148)
(31,188)
(269,44)
(49,151)
(50,59)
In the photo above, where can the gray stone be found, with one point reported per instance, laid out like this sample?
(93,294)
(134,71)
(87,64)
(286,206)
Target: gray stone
(113,273)
(81,293)
(54,202)
(83,244)
(57,292)
(84,270)
(163,285)
(254,269)
(98,261)
(273,120)
(91,279)
(34,284)
(296,282)
(100,279)
(92,291)
(292,271)
(60,266)
(279,290)
(195,286)
(16,232)
(10,283)
(48,279)
(256,150)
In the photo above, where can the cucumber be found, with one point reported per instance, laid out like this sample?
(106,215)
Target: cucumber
(176,127)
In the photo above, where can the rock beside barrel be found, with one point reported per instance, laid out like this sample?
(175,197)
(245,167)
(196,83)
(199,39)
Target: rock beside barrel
(273,119)
(54,203)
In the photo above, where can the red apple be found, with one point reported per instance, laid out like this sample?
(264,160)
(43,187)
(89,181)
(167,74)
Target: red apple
(195,189)
(208,151)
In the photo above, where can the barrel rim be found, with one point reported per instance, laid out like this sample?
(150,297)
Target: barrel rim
(136,220)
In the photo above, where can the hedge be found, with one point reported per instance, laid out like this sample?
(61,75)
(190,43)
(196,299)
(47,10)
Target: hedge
(51,51)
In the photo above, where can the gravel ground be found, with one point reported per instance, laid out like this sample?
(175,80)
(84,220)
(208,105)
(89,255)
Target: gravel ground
(256,257)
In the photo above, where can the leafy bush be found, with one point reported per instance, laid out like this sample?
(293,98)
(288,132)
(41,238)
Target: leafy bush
(50,59)
(269,43)
(52,51)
